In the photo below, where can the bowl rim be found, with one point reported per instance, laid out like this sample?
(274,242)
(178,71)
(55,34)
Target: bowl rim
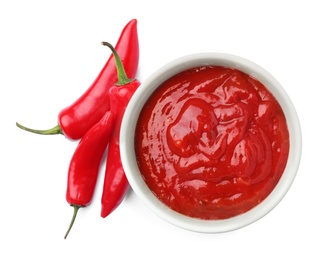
(128,153)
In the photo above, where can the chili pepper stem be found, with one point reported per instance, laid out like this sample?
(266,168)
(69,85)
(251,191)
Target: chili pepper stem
(121,74)
(76,208)
(53,131)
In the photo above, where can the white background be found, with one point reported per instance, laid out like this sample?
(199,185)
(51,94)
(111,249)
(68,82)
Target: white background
(50,52)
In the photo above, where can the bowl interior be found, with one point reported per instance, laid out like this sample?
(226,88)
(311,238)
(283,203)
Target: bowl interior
(127,136)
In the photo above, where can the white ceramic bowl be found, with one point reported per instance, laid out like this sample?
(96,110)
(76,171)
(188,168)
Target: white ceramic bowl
(128,133)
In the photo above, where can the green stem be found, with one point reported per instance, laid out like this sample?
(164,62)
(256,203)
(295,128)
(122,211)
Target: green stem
(53,131)
(121,74)
(76,208)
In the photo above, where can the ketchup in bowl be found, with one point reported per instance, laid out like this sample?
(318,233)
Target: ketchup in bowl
(211,142)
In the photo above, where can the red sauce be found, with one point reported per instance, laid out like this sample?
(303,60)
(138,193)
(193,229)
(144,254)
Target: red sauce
(212,142)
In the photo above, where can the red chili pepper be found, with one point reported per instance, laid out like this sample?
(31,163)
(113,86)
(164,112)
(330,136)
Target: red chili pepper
(85,163)
(115,183)
(75,120)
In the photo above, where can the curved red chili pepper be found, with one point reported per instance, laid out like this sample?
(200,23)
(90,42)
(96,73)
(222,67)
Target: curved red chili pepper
(85,163)
(75,120)
(115,183)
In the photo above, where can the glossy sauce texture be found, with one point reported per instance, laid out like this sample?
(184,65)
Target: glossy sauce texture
(212,142)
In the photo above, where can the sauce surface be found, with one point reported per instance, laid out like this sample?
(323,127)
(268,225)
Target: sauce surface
(211,142)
